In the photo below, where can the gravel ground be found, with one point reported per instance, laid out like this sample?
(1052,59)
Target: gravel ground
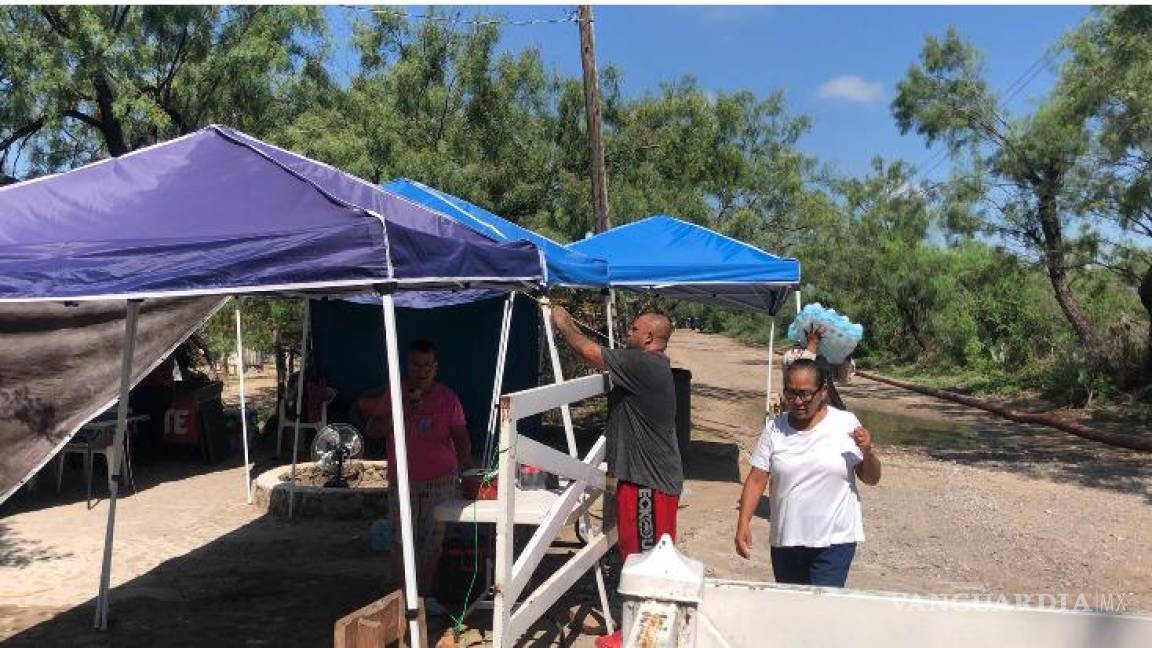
(969,504)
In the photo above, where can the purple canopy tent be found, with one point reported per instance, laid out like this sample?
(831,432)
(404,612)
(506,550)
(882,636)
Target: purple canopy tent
(212,214)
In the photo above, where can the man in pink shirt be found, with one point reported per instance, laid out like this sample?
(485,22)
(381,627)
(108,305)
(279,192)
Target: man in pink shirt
(438,449)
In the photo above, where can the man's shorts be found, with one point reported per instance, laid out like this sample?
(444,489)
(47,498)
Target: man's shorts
(643,515)
(428,534)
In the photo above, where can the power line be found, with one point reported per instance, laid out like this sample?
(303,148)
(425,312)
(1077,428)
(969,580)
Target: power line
(1007,94)
(570,17)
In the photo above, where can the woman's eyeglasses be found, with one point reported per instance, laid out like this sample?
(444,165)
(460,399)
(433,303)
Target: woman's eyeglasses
(802,395)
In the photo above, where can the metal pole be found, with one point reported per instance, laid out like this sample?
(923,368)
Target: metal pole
(116,458)
(558,376)
(797,301)
(498,381)
(595,123)
(610,313)
(299,404)
(400,452)
(243,407)
(771,355)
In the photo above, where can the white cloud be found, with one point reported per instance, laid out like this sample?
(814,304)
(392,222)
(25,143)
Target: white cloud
(851,88)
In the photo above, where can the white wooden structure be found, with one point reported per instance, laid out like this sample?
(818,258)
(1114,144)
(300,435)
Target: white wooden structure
(513,613)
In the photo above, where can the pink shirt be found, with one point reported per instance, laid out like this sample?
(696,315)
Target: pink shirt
(428,430)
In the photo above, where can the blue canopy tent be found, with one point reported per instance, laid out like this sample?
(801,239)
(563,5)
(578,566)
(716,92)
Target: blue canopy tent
(563,267)
(682,260)
(218,212)
(214,213)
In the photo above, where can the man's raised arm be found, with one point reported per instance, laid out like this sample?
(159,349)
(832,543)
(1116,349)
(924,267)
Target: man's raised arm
(592,353)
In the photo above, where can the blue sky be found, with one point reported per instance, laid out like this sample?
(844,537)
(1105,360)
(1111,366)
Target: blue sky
(838,65)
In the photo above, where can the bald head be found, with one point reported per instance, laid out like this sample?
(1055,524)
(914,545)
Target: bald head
(650,332)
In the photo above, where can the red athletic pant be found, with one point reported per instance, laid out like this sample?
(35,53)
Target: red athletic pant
(642,516)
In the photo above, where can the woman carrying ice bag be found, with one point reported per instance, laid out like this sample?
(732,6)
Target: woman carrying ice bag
(809,457)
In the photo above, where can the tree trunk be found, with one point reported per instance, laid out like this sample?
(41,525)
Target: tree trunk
(110,126)
(1054,260)
(1136,441)
(1145,291)
(913,328)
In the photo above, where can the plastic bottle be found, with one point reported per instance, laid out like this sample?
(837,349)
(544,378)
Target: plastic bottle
(530,477)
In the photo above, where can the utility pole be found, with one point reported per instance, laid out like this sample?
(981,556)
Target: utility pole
(596,154)
(595,124)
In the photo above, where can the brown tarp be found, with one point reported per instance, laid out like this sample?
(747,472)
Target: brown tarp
(60,366)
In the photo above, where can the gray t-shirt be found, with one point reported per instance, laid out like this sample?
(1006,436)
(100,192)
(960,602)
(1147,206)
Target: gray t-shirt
(642,420)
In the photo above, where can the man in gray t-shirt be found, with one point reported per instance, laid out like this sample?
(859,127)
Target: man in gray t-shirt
(642,453)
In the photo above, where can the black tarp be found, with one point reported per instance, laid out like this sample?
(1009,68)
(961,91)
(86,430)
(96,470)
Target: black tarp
(348,350)
(60,366)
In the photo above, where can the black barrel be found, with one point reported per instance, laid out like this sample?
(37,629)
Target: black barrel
(682,380)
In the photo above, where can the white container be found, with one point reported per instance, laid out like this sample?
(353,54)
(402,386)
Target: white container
(661,590)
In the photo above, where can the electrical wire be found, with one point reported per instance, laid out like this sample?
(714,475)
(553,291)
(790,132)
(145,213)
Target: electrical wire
(571,17)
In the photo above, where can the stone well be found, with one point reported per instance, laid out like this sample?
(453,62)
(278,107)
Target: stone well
(366,501)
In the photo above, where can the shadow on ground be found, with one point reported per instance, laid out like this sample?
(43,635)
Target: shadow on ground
(269,583)
(16,551)
(712,461)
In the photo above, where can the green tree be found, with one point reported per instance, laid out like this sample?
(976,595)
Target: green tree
(877,264)
(1107,79)
(433,100)
(1029,166)
(85,82)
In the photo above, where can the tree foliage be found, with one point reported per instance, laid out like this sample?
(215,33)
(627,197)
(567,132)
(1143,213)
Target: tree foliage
(85,82)
(1028,165)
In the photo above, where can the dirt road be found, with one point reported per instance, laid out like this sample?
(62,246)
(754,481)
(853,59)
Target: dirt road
(969,504)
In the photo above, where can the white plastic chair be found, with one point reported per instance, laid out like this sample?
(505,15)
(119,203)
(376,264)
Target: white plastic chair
(285,422)
(91,440)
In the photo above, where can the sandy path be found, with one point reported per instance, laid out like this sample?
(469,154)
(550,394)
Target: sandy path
(1011,510)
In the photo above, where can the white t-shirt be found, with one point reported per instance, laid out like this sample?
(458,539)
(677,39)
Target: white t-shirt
(812,486)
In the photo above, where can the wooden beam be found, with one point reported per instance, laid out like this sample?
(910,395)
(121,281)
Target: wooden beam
(560,514)
(526,403)
(502,601)
(559,582)
(551,460)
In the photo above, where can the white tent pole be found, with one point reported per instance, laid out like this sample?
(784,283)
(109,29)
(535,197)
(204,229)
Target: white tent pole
(558,375)
(243,407)
(116,458)
(771,355)
(400,450)
(610,313)
(498,379)
(300,373)
(797,301)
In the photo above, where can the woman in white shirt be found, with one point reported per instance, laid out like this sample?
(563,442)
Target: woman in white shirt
(809,457)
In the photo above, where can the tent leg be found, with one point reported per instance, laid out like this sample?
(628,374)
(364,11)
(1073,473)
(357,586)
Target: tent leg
(558,375)
(400,450)
(299,405)
(117,458)
(797,301)
(610,314)
(243,407)
(771,355)
(498,380)
(602,590)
